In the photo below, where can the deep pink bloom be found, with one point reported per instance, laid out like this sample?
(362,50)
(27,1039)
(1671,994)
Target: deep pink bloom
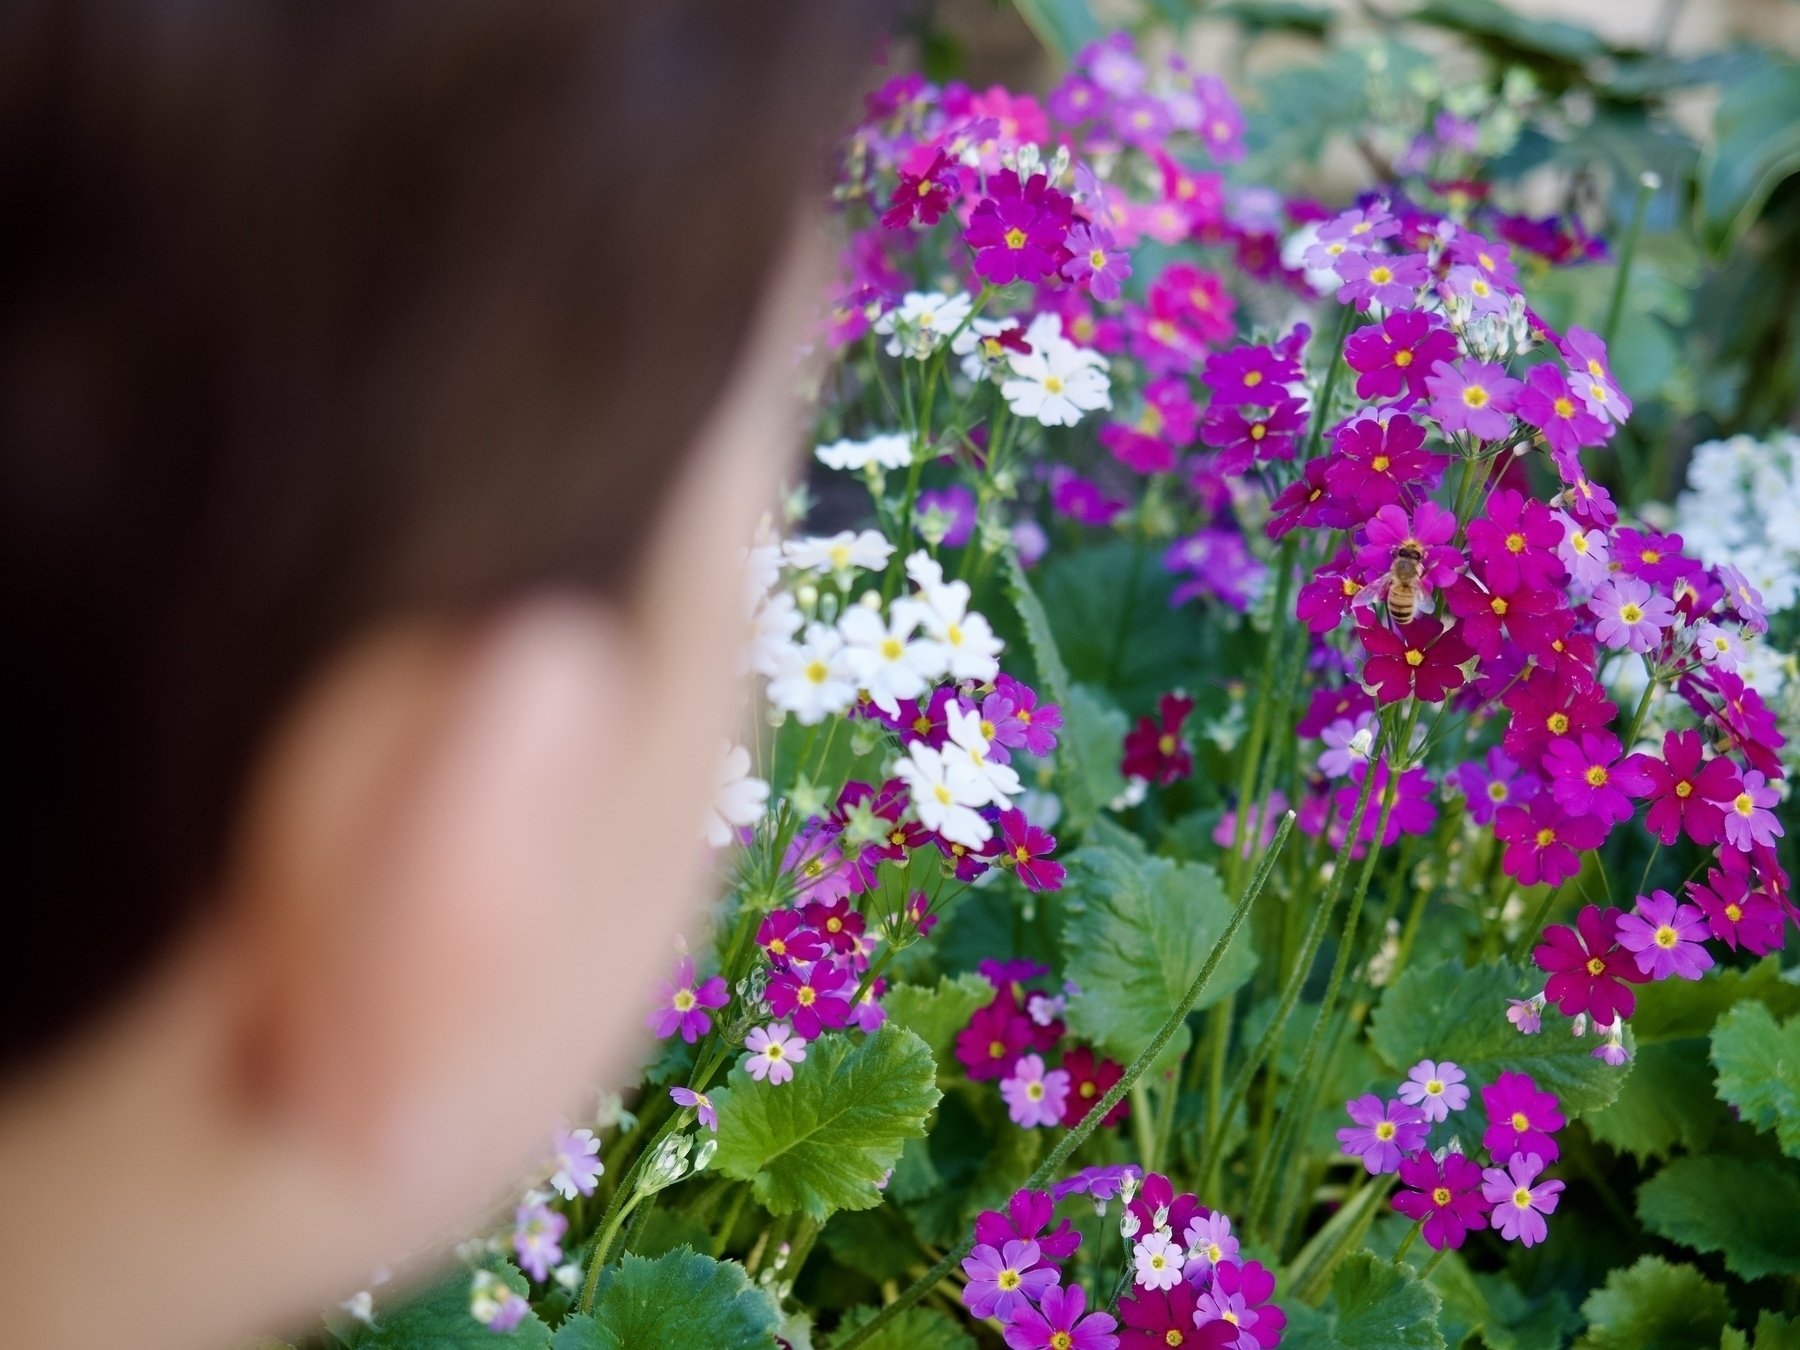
(1244,437)
(1090,1078)
(1737,915)
(1587,779)
(1195,299)
(1017,231)
(923,195)
(1516,543)
(1548,706)
(1003,1282)
(1548,403)
(1076,100)
(1473,397)
(1667,937)
(1253,376)
(1682,789)
(1521,1117)
(994,1039)
(1094,259)
(840,926)
(1306,501)
(1136,451)
(1752,725)
(1519,1205)
(1323,601)
(1327,705)
(785,936)
(1748,819)
(1057,1323)
(1536,619)
(1389,280)
(1542,840)
(1154,749)
(1081,499)
(1383,1133)
(1446,1195)
(1424,659)
(1427,531)
(1651,556)
(681,1007)
(1586,966)
(1374,465)
(1033,726)
(1231,1313)
(1501,783)
(1026,849)
(812,997)
(1411,813)
(1392,358)
(1151,1315)
(1027,1214)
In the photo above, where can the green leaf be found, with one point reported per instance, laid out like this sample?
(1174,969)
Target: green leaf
(935,1016)
(1073,748)
(1759,1070)
(1655,1305)
(1672,1010)
(1666,1099)
(1064,26)
(1448,1012)
(676,1302)
(1091,750)
(914,1329)
(1374,1305)
(826,1140)
(1141,927)
(1512,34)
(1721,1204)
(1776,1332)
(875,1242)
(1756,134)
(439,1319)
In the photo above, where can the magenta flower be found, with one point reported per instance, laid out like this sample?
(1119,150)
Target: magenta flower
(1521,1117)
(992,1042)
(785,936)
(1501,783)
(1492,260)
(1588,968)
(1412,811)
(1587,779)
(1389,280)
(840,926)
(1393,357)
(1630,614)
(1550,403)
(1029,726)
(1667,937)
(774,1050)
(1081,499)
(1473,397)
(1026,848)
(1425,659)
(1222,565)
(1154,748)
(701,1104)
(1549,705)
(1100,1183)
(1748,819)
(1737,915)
(812,996)
(1306,501)
(681,1007)
(1017,231)
(1094,259)
(1436,1089)
(923,195)
(1057,1323)
(1445,1195)
(1249,376)
(537,1239)
(1428,531)
(1033,1096)
(817,863)
(1519,1206)
(1683,789)
(1542,840)
(1232,1312)
(1374,465)
(1243,438)
(1002,1283)
(1516,543)
(1382,1133)
(1027,1214)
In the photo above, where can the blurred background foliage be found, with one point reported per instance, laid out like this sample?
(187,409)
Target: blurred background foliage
(1699,100)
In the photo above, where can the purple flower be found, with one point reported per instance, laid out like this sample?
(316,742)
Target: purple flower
(867,1014)
(1630,614)
(1527,1014)
(1027,1214)
(1017,231)
(1391,281)
(1744,598)
(537,1238)
(1347,744)
(951,510)
(1031,725)
(1095,260)
(1209,1241)
(1410,813)
(1519,1206)
(1667,937)
(1520,1117)
(774,1050)
(574,1162)
(702,1104)
(1026,848)
(1081,499)
(1005,1281)
(1034,1097)
(1501,783)
(1473,397)
(813,995)
(1098,1183)
(681,1007)
(1382,1133)
(1222,564)
(1587,779)
(817,862)
(1748,819)
(1057,1323)
(1436,1089)
(1443,1196)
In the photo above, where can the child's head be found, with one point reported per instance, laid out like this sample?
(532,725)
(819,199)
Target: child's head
(387,390)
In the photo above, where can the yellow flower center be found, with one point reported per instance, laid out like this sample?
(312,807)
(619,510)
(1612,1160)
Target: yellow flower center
(1440,1195)
(1744,805)
(1258,431)
(942,793)
(1521,1122)
(1253,379)
(1522,1198)
(1497,792)
(684,1000)
(1015,238)
(1097,259)
(1564,408)
(1053,384)
(1166,743)
(1403,358)
(1434,1086)
(1557,722)
(1035,1091)
(1061,1340)
(1498,604)
(1631,612)
(1684,789)
(806,996)
(773,1050)
(1380,276)
(996,1050)
(1485,261)
(777,947)
(1380,463)
(1667,937)
(1008,1279)
(1734,912)
(1172,1337)
(818,672)
(1546,837)
(1596,966)
(1021,854)
(1515,543)
(1089,1089)
(1474,396)
(892,649)
(1415,658)
(1385,1130)
(1596,776)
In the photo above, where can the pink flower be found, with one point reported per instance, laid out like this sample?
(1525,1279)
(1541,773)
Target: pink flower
(1519,1206)
(992,1042)
(1002,1283)
(681,1007)
(1389,280)
(1630,614)
(1093,259)
(1748,819)
(1057,1323)
(1026,849)
(1683,789)
(785,936)
(1374,465)
(1516,543)
(774,1050)
(1243,438)
(1501,783)
(1017,231)
(1412,811)
(1436,1089)
(1383,1132)
(1542,841)
(701,1104)
(1393,357)
(1589,970)
(1736,914)
(1034,1097)
(1473,397)
(813,995)
(1666,937)
(1256,376)
(1549,403)
(1231,1314)
(1027,1214)
(1586,779)
(1521,1117)
(1444,1195)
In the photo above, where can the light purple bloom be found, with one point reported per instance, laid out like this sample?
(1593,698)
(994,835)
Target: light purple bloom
(1347,744)
(1519,1206)
(1630,614)
(1222,566)
(1096,260)
(1382,1133)
(1501,783)
(1744,598)
(702,1104)
(1473,396)
(866,1014)
(951,509)
(1005,1281)
(1099,1184)
(1471,283)
(1668,937)
(774,1050)
(1057,1323)
(1390,280)
(537,1238)
(1209,1241)
(1436,1089)
(1584,551)
(575,1162)
(681,1007)
(1748,819)
(1527,1014)
(1034,1097)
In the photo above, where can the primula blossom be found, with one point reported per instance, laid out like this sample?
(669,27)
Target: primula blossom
(945,791)
(1158,1261)
(1519,1199)
(1666,937)
(1444,1195)
(1436,1089)
(890,451)
(1033,1095)
(812,679)
(739,797)
(1630,614)
(774,1050)
(683,1007)
(1003,1282)
(1057,383)
(1383,1133)
(575,1162)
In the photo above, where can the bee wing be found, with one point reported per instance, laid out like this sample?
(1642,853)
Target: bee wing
(1425,604)
(1368,595)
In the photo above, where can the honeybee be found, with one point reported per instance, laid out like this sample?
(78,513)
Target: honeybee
(1399,586)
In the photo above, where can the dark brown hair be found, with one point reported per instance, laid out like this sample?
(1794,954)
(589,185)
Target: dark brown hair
(317,310)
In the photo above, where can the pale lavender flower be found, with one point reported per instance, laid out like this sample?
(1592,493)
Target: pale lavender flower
(537,1238)
(1382,1133)
(1347,744)
(1034,1097)
(1748,819)
(1527,1014)
(1004,1281)
(1436,1089)
(1667,937)
(774,1050)
(1519,1206)
(1209,1241)
(575,1160)
(1630,614)
(702,1104)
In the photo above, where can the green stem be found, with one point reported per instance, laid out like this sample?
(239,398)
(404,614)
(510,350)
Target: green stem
(1090,1122)
(1407,1241)
(1437,1258)
(1143,1125)
(1637,718)
(601,1248)
(1334,367)
(1247,775)
(1615,308)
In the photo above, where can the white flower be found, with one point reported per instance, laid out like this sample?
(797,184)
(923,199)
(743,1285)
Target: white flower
(1718,646)
(885,659)
(775,624)
(970,646)
(892,451)
(922,321)
(924,571)
(968,746)
(1057,382)
(739,798)
(1158,1259)
(869,550)
(944,794)
(813,678)
(981,354)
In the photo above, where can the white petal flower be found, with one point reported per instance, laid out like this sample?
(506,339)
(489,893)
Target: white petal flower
(968,746)
(1057,382)
(772,628)
(982,355)
(891,451)
(739,797)
(944,795)
(922,321)
(869,550)
(813,678)
(970,646)
(884,657)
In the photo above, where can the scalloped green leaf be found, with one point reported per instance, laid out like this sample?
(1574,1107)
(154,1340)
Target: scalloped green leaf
(1451,1012)
(1671,1010)
(1140,929)
(439,1319)
(1721,1204)
(1776,1332)
(827,1140)
(914,1329)
(1655,1305)
(1091,750)
(1374,1305)
(937,1015)
(1759,1070)
(675,1302)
